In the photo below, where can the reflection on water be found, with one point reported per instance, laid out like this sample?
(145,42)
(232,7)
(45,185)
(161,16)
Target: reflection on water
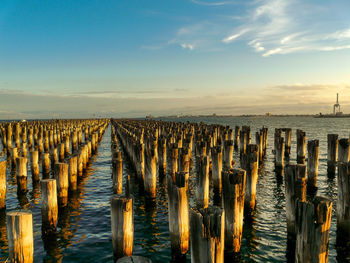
(84,235)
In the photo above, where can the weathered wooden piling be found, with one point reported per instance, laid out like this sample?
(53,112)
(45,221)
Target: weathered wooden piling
(207,235)
(344,150)
(14,155)
(313,225)
(312,163)
(46,165)
(343,203)
(34,160)
(2,184)
(53,157)
(21,172)
(20,236)
(279,154)
(178,214)
(202,190)
(228,154)
(301,146)
(73,173)
(61,152)
(259,142)
(236,138)
(250,163)
(332,153)
(216,155)
(62,181)
(122,224)
(287,142)
(295,186)
(150,179)
(233,200)
(117,173)
(49,209)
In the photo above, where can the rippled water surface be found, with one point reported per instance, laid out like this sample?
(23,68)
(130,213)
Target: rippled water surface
(84,233)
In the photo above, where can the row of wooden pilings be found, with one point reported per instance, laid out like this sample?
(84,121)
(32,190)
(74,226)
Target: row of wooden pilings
(59,147)
(301,187)
(215,225)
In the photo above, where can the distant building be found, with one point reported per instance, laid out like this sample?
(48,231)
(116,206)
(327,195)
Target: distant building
(268,114)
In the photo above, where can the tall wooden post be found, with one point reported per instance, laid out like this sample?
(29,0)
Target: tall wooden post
(344,150)
(295,185)
(2,184)
(20,236)
(250,163)
(301,146)
(178,214)
(49,210)
(216,155)
(202,192)
(332,153)
(122,224)
(313,225)
(207,235)
(312,163)
(343,203)
(21,174)
(61,176)
(233,199)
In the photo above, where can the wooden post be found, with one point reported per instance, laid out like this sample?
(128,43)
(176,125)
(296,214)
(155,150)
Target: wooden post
(279,156)
(184,160)
(178,214)
(313,225)
(162,156)
(80,164)
(242,142)
(14,155)
(49,210)
(53,158)
(343,204)
(287,142)
(61,176)
(67,146)
(233,200)
(301,146)
(312,163)
(21,165)
(202,190)
(295,185)
(122,224)
(174,160)
(259,142)
(207,235)
(228,154)
(236,138)
(117,173)
(73,173)
(61,152)
(344,150)
(216,155)
(46,166)
(150,178)
(250,163)
(332,153)
(2,184)
(20,236)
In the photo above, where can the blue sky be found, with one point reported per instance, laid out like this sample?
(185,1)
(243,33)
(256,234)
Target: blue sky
(131,58)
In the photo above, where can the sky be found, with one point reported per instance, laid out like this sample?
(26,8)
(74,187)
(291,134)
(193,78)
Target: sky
(128,58)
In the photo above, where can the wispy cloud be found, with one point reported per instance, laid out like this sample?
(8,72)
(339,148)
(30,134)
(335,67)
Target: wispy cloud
(283,26)
(187,46)
(212,3)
